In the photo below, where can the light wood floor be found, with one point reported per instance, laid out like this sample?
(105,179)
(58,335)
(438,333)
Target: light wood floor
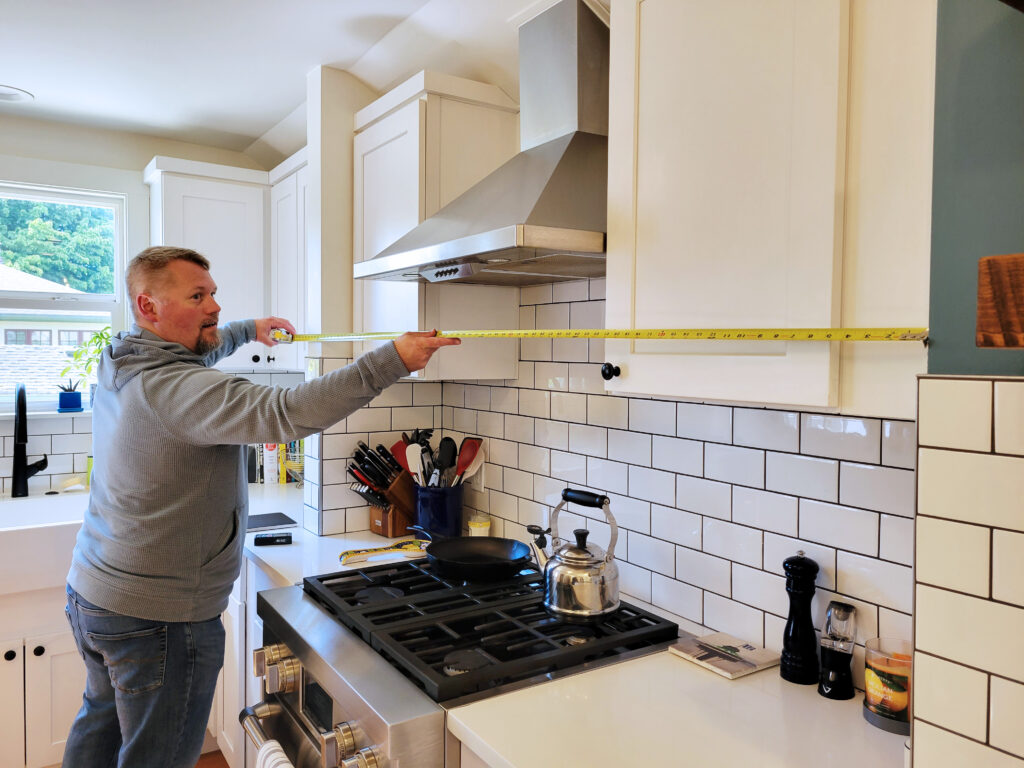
(212,760)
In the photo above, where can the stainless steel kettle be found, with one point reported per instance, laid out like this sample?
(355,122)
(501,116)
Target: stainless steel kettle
(581,580)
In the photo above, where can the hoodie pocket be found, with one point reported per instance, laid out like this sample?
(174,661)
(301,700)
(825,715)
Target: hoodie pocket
(135,660)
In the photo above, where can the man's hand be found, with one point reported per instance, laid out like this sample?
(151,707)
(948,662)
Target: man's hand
(416,347)
(265,325)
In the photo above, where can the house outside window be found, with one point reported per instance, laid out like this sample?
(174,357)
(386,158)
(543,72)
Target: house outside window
(61,277)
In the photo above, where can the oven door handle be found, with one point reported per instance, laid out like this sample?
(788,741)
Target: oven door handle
(250,719)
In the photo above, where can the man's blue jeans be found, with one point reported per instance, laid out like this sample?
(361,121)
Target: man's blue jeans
(148,690)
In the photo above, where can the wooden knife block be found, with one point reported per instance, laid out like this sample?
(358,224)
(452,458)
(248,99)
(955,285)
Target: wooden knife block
(396,519)
(1000,321)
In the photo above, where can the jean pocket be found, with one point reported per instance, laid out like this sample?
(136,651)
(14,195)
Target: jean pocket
(134,660)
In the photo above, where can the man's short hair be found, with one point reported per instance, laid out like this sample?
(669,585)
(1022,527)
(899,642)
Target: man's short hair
(144,270)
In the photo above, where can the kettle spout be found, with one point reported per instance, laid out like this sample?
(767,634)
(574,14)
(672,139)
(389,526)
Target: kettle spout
(539,544)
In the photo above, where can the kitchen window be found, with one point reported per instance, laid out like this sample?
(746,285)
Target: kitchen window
(61,274)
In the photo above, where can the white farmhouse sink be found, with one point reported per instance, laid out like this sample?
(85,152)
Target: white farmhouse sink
(37,536)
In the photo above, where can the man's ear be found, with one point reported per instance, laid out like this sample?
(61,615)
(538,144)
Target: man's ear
(146,307)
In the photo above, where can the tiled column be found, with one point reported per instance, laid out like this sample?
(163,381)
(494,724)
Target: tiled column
(969,575)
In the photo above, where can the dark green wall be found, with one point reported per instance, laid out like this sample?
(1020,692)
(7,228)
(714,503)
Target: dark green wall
(978,183)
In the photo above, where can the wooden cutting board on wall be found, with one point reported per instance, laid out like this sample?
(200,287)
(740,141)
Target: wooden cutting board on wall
(1000,321)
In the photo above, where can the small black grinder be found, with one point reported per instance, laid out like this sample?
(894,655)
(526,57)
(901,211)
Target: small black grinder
(799,663)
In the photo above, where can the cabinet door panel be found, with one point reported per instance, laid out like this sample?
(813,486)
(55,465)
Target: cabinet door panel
(287,283)
(230,736)
(12,703)
(224,222)
(725,193)
(54,683)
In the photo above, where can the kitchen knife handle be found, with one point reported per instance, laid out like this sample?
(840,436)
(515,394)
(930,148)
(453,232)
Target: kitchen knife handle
(392,462)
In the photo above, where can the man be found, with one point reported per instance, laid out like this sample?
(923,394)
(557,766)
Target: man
(161,542)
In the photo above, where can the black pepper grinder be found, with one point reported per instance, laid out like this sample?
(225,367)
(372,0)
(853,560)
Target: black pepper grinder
(799,663)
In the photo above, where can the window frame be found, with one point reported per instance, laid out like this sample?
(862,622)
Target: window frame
(92,302)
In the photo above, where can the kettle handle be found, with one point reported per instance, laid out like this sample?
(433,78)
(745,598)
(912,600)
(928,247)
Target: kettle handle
(586,499)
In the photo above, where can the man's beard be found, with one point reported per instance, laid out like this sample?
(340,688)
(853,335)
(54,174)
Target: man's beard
(205,345)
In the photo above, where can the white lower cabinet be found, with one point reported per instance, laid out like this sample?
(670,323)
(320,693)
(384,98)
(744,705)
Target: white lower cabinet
(12,702)
(230,735)
(54,684)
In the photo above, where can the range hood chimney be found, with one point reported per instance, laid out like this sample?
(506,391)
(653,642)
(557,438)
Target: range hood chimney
(541,217)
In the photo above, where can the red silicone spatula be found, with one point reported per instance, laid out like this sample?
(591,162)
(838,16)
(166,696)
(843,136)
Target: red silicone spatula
(467,452)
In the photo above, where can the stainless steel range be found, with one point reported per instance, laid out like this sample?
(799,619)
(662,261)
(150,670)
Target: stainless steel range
(360,666)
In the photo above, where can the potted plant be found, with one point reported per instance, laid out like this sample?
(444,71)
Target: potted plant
(69,399)
(86,357)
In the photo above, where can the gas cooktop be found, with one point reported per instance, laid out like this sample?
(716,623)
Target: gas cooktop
(454,639)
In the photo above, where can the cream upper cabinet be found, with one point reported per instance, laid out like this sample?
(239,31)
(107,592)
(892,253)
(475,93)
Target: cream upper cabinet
(288,272)
(416,149)
(220,212)
(725,193)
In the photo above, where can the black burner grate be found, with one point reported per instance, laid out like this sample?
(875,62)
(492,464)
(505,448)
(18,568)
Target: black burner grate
(455,639)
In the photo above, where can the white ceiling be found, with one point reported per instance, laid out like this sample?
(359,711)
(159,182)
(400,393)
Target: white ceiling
(224,72)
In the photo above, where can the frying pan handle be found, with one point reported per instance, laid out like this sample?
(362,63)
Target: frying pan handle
(421,529)
(584,498)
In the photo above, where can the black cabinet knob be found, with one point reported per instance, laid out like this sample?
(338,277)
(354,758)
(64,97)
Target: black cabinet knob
(10,655)
(255,358)
(39,650)
(609,371)
(271,359)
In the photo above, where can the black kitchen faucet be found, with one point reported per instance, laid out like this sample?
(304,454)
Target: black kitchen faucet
(22,470)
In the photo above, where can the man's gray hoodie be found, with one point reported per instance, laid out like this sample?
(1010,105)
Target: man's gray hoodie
(162,537)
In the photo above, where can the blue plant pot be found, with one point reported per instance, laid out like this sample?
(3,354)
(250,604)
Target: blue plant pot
(69,401)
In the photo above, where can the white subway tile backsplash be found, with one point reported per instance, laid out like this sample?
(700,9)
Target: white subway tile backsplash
(841,437)
(570,467)
(553,316)
(802,476)
(875,581)
(653,416)
(587,314)
(899,444)
(894,624)
(712,423)
(605,411)
(505,399)
(953,555)
(526,376)
(763,509)
(81,424)
(1006,703)
(866,613)
(896,539)
(568,407)
(408,419)
(974,487)
(49,425)
(1008,567)
(593,441)
(598,286)
(651,553)
(760,589)
(652,485)
(737,619)
(631,447)
(774,430)
(705,497)
(426,393)
(577,290)
(371,420)
(519,429)
(503,505)
(951,695)
(733,542)
(552,434)
(839,527)
(632,514)
(955,413)
(535,349)
(341,446)
(1009,417)
(634,581)
(535,402)
(608,476)
(676,525)
(677,597)
(464,420)
(517,483)
(547,490)
(676,455)
(488,423)
(570,350)
(971,630)
(534,459)
(730,464)
(74,443)
(536,294)
(778,548)
(883,489)
(398,394)
(938,748)
(552,376)
(586,377)
(453,394)
(532,513)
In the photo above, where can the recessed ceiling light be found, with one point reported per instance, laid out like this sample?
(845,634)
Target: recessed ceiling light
(9,93)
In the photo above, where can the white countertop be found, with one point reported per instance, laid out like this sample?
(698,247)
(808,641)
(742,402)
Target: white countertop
(662,710)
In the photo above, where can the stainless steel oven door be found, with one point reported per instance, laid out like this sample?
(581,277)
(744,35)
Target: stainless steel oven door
(270,720)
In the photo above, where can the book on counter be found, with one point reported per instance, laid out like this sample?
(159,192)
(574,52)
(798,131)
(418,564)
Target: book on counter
(727,655)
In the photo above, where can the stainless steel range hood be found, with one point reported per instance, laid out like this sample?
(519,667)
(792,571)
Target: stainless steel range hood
(541,217)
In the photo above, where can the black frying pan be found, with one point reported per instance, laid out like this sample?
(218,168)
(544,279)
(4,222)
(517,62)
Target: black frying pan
(476,558)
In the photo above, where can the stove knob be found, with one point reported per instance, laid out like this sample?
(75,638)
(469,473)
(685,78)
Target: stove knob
(336,745)
(364,758)
(283,677)
(267,655)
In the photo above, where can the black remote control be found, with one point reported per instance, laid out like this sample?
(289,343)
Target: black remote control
(271,539)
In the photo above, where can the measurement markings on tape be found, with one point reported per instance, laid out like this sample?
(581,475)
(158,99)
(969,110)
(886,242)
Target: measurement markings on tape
(695,334)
